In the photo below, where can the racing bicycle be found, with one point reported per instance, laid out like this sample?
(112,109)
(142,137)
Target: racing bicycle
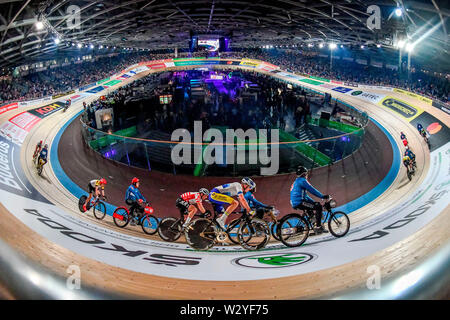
(39,165)
(147,220)
(170,228)
(411,172)
(98,206)
(294,228)
(203,234)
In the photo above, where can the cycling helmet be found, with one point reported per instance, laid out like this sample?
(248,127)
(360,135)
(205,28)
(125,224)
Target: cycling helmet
(419,126)
(204,191)
(46,146)
(103,181)
(301,170)
(407,148)
(248,182)
(134,180)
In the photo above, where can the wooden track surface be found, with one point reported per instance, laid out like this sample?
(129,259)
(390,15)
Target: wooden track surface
(397,258)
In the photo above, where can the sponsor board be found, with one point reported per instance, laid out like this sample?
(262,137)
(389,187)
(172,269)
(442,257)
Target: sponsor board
(96,89)
(169,64)
(77,97)
(342,89)
(438,131)
(157,66)
(139,69)
(12,177)
(310,81)
(34,102)
(87,86)
(375,87)
(8,107)
(112,83)
(47,110)
(13,133)
(56,96)
(414,95)
(402,108)
(123,77)
(271,261)
(328,85)
(103,80)
(440,105)
(351,84)
(249,64)
(25,120)
(371,97)
(336,82)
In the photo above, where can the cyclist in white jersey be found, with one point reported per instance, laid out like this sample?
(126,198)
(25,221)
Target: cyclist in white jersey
(222,195)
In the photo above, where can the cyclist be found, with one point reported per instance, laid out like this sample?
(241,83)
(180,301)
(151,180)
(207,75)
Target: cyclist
(301,200)
(135,199)
(43,155)
(402,136)
(222,195)
(191,202)
(419,127)
(94,186)
(256,205)
(405,142)
(410,154)
(407,163)
(38,149)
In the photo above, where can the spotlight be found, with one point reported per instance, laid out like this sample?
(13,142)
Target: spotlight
(409,47)
(310,45)
(398,12)
(79,45)
(362,46)
(378,45)
(39,25)
(57,41)
(332,46)
(401,44)
(321,45)
(342,45)
(101,47)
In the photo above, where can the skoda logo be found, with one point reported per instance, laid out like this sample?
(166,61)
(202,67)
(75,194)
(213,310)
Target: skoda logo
(270,260)
(356,93)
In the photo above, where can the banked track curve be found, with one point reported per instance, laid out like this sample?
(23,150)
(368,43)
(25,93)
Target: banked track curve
(337,270)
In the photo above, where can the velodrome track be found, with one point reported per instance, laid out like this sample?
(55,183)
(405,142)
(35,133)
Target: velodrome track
(161,270)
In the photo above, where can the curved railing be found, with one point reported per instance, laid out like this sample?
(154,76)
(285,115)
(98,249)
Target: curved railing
(330,141)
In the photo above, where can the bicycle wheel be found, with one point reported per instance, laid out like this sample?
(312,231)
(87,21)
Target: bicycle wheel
(274,229)
(254,235)
(100,210)
(39,170)
(338,224)
(233,230)
(201,234)
(408,173)
(293,230)
(121,217)
(169,229)
(81,202)
(149,224)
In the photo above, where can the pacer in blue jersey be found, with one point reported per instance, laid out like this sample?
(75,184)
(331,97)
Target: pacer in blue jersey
(300,199)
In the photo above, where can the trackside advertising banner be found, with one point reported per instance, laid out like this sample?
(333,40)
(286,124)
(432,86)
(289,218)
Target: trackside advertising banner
(400,107)
(8,107)
(47,110)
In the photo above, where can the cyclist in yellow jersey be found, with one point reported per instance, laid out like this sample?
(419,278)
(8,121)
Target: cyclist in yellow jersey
(408,163)
(94,186)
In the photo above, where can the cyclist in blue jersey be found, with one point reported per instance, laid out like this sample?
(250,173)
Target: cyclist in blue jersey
(256,205)
(134,198)
(301,200)
(410,154)
(43,155)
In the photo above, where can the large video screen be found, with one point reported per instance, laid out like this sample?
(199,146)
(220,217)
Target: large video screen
(209,44)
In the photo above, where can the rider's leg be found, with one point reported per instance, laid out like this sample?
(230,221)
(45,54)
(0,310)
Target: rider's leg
(227,212)
(318,213)
(192,210)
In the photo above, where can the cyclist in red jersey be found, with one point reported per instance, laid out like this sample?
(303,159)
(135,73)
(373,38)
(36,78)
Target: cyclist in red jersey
(190,202)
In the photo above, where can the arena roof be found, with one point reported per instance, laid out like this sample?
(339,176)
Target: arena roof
(158,24)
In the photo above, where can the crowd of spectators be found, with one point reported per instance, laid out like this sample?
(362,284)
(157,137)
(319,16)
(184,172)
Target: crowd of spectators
(65,78)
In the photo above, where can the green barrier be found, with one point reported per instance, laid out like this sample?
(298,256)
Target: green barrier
(316,83)
(306,150)
(108,139)
(319,78)
(343,127)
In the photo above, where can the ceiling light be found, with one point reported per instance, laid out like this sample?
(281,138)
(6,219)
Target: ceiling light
(378,45)
(362,46)
(39,25)
(57,41)
(79,45)
(332,46)
(398,12)
(321,45)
